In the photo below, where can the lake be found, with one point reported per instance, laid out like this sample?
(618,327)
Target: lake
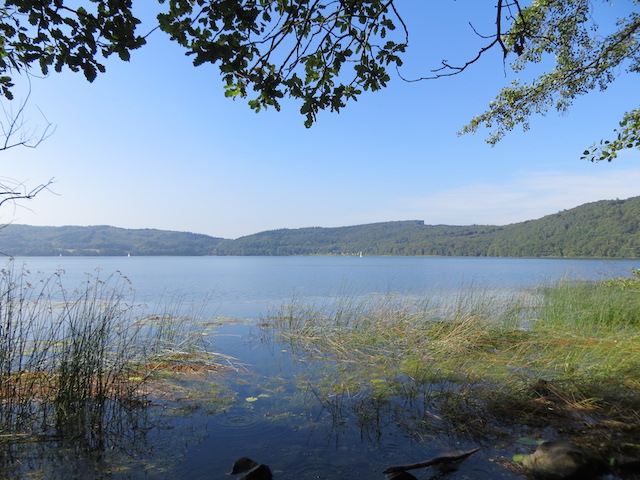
(247,287)
(271,411)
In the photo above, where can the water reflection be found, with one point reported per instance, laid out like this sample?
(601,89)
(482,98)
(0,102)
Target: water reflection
(284,409)
(138,445)
(290,415)
(299,412)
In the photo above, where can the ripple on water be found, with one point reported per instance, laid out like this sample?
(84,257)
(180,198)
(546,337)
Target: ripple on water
(246,422)
(236,418)
(299,462)
(321,470)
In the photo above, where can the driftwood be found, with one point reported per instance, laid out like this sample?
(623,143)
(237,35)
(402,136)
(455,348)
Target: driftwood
(434,461)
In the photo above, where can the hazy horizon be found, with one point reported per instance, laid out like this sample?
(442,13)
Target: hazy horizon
(316,226)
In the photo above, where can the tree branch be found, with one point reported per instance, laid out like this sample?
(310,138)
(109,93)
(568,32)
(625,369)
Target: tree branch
(11,190)
(449,70)
(451,459)
(13,127)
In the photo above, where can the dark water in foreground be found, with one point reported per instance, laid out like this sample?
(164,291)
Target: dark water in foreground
(268,408)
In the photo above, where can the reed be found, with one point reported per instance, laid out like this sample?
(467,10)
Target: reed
(570,350)
(594,306)
(410,336)
(80,364)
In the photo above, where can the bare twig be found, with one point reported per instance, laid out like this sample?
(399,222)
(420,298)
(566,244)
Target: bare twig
(448,70)
(13,127)
(11,190)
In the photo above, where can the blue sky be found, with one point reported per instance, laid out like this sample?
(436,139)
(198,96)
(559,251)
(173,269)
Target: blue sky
(155,144)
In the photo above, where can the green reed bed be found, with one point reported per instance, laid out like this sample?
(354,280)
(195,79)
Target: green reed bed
(559,357)
(416,339)
(83,364)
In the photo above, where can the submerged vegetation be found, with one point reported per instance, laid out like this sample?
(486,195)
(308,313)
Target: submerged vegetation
(561,361)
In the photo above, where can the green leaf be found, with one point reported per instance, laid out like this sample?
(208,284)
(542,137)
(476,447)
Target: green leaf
(531,441)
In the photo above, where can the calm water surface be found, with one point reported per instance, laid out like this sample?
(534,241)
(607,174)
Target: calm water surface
(285,425)
(246,287)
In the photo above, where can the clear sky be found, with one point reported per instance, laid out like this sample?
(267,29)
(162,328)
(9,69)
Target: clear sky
(154,143)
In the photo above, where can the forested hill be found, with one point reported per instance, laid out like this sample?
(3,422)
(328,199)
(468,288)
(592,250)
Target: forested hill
(26,240)
(608,228)
(388,238)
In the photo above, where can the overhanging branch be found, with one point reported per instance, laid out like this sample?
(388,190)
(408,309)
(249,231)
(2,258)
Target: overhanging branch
(11,190)
(448,70)
(14,131)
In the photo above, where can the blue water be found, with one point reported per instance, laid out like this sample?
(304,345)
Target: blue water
(287,427)
(247,287)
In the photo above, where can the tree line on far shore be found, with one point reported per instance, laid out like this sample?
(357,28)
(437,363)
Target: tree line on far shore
(607,229)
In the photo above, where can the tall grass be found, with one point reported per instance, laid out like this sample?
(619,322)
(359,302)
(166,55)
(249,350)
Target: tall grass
(596,307)
(66,358)
(77,364)
(587,338)
(565,350)
(408,336)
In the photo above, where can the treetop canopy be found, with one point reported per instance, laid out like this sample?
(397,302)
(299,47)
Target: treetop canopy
(324,53)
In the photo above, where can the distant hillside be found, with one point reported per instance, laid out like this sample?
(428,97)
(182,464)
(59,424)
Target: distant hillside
(608,229)
(390,238)
(23,240)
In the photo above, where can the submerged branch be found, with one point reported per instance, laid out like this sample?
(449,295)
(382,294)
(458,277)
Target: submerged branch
(433,461)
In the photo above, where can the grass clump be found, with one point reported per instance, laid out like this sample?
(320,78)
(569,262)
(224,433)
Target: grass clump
(597,307)
(564,357)
(83,365)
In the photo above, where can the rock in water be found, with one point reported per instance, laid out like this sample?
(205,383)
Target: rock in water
(559,460)
(252,470)
(242,465)
(261,472)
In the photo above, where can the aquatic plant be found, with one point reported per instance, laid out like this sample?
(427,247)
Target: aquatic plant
(480,364)
(82,366)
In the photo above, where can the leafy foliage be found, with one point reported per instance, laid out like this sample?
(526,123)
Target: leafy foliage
(323,53)
(51,34)
(628,136)
(300,49)
(564,34)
